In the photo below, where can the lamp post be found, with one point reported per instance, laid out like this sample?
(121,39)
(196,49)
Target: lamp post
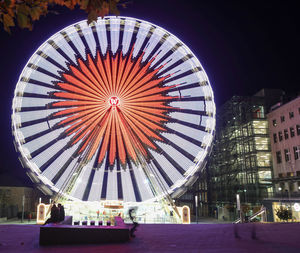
(238,206)
(196,205)
(23,203)
(280,190)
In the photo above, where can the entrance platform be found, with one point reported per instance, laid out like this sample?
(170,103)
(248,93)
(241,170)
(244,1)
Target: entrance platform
(53,234)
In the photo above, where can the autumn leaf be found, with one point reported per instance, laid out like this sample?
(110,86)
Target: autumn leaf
(23,8)
(84,4)
(92,16)
(35,13)
(25,12)
(23,20)
(8,22)
(113,7)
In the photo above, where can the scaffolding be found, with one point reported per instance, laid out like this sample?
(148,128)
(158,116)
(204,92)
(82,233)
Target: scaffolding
(241,158)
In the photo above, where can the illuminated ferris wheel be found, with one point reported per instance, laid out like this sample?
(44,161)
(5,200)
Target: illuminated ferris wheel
(118,110)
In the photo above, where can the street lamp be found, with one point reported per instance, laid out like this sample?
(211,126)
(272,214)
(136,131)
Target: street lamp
(245,192)
(196,204)
(280,189)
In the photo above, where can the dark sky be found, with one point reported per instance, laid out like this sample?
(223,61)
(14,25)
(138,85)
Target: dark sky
(243,46)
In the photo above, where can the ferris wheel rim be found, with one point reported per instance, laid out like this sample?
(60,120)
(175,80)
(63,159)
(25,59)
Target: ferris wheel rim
(47,181)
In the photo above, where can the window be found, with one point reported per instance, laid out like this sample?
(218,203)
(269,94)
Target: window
(291,114)
(287,155)
(282,119)
(296,152)
(274,122)
(275,138)
(298,129)
(286,134)
(278,157)
(280,175)
(292,131)
(280,135)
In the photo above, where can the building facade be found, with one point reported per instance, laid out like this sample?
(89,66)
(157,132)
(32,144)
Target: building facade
(284,127)
(241,158)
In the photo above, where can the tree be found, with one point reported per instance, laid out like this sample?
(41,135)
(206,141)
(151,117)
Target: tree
(25,12)
(283,213)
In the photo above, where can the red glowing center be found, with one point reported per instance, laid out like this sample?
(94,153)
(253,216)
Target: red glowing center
(114,101)
(89,94)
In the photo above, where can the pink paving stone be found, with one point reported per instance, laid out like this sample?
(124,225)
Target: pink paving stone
(271,237)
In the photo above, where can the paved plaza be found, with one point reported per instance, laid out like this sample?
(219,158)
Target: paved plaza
(202,237)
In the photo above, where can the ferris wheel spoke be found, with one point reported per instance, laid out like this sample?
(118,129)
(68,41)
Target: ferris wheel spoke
(34,95)
(61,52)
(175,64)
(83,39)
(46,146)
(134,183)
(162,172)
(185,74)
(87,190)
(95,37)
(44,71)
(182,87)
(32,108)
(183,136)
(53,158)
(189,111)
(70,43)
(37,135)
(166,56)
(62,170)
(182,151)
(51,60)
(119,181)
(37,82)
(184,123)
(170,159)
(33,122)
(183,99)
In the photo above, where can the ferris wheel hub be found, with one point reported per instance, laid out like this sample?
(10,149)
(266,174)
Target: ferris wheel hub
(114,101)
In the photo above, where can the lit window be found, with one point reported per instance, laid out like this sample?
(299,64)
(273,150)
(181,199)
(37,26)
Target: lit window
(278,157)
(298,129)
(292,131)
(291,114)
(297,152)
(282,119)
(274,122)
(286,134)
(287,155)
(280,135)
(275,138)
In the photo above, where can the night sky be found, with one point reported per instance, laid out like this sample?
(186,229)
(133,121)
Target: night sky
(243,46)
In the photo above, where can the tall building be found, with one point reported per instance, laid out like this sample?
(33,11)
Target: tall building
(284,125)
(241,158)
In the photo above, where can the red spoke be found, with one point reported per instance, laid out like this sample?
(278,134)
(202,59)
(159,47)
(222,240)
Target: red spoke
(115,104)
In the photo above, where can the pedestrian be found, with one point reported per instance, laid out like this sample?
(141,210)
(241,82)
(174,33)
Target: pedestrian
(54,215)
(135,224)
(61,216)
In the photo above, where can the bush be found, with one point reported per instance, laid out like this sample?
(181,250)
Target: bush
(283,213)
